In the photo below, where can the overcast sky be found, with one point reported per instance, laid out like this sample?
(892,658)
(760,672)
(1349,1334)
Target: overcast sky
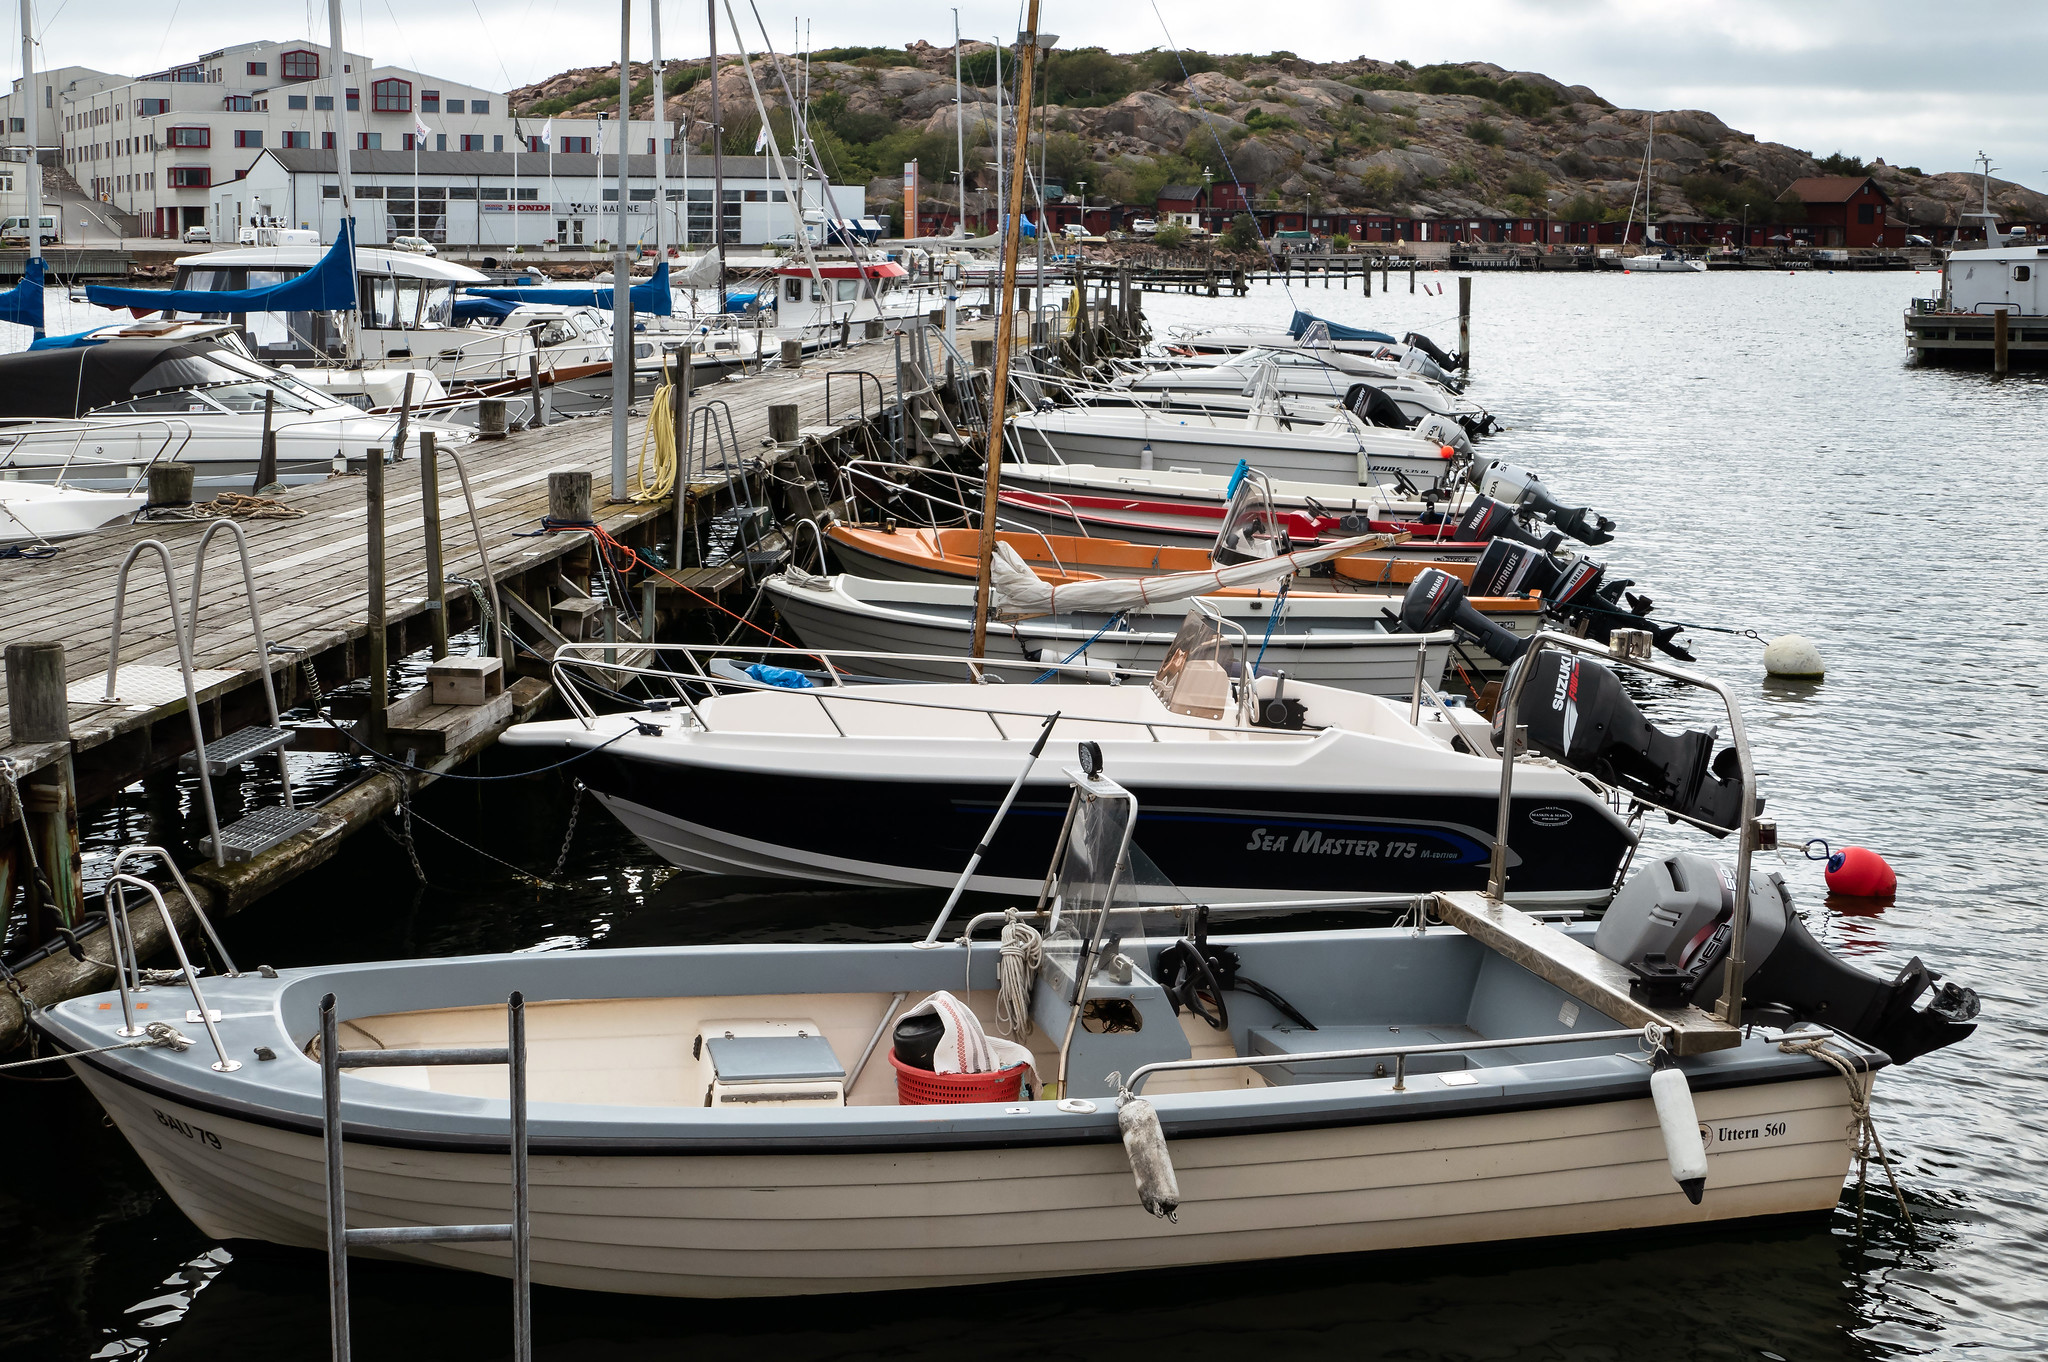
(1918,84)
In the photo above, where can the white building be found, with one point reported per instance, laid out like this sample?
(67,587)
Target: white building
(484,199)
(159,146)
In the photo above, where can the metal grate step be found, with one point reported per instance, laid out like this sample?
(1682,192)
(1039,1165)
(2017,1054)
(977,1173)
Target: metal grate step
(247,838)
(226,753)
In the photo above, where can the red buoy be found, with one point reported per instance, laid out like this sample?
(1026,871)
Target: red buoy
(1861,872)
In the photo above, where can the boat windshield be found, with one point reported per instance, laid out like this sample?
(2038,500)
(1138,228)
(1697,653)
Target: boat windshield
(229,381)
(1198,674)
(1250,530)
(1105,890)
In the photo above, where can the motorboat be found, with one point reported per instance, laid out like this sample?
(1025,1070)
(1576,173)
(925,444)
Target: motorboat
(1669,261)
(1127,1080)
(38,513)
(1412,352)
(1325,374)
(95,414)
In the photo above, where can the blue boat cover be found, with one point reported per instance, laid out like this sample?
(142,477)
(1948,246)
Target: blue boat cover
(23,304)
(1338,331)
(470,309)
(745,302)
(71,342)
(652,297)
(329,286)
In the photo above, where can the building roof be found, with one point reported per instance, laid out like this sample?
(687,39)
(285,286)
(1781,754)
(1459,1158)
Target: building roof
(1831,188)
(532,164)
(1180,193)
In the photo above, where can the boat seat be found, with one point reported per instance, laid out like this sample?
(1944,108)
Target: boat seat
(1293,1040)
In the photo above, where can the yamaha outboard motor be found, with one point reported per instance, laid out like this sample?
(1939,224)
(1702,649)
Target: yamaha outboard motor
(1525,491)
(1375,408)
(1488,519)
(1671,924)
(1577,712)
(1436,600)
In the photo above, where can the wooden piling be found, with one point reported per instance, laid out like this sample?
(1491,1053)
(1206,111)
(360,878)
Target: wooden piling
(379,640)
(782,426)
(1465,324)
(170,484)
(984,354)
(430,526)
(490,419)
(1999,334)
(540,411)
(1411,278)
(793,355)
(266,461)
(569,496)
(36,709)
(37,713)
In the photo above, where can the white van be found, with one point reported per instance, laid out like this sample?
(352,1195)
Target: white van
(16,229)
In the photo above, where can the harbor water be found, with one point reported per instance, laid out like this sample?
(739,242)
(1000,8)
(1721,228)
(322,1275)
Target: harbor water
(1775,466)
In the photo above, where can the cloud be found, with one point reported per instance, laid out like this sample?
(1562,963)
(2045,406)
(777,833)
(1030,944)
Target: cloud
(1888,78)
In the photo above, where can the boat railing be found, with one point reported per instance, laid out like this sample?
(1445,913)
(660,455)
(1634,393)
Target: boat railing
(590,657)
(852,470)
(1631,648)
(121,936)
(1651,1036)
(14,441)
(861,379)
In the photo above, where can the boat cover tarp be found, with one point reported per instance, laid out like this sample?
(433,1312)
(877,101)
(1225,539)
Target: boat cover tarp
(23,304)
(1020,593)
(469,309)
(65,383)
(329,286)
(75,339)
(653,297)
(1338,331)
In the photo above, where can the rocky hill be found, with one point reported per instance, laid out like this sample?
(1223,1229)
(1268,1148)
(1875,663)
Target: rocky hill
(1468,139)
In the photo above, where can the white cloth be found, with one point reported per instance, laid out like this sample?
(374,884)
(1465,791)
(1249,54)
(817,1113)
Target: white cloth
(965,1048)
(1020,592)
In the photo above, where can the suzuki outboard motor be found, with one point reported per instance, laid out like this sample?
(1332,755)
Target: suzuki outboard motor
(1436,600)
(1577,712)
(1488,519)
(1525,491)
(1671,925)
(1375,408)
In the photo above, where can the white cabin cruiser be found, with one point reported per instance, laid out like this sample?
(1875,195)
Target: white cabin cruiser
(95,415)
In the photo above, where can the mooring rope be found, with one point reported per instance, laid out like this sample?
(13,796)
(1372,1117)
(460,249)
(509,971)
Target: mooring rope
(1022,950)
(1859,1109)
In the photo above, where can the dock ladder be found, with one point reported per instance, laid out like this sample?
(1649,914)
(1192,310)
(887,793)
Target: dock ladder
(257,832)
(340,1238)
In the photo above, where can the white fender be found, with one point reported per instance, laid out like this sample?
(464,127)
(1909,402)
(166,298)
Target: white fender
(1145,1146)
(1681,1123)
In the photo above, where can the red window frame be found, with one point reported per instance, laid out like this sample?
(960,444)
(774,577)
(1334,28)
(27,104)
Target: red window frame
(299,64)
(242,136)
(300,140)
(181,177)
(172,137)
(472,141)
(391,95)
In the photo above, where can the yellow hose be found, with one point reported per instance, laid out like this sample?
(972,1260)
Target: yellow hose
(661,425)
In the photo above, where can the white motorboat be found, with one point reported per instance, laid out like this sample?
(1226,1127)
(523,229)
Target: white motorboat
(95,415)
(35,513)
(1325,374)
(1667,262)
(1412,353)
(714,1121)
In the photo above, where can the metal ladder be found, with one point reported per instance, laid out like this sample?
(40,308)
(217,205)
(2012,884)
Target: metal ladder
(256,833)
(340,1238)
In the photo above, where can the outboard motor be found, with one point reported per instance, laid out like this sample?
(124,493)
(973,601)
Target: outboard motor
(1671,924)
(1525,491)
(1487,519)
(1416,340)
(1577,712)
(1375,408)
(1436,600)
(1443,430)
(1572,587)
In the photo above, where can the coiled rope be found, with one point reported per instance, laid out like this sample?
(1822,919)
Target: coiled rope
(1867,1138)
(1023,948)
(160,1035)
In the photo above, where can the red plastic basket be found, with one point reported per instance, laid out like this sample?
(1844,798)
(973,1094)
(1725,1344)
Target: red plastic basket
(924,1088)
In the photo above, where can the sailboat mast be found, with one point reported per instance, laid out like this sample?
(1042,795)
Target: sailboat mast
(660,150)
(718,160)
(959,128)
(32,169)
(343,168)
(622,267)
(1006,325)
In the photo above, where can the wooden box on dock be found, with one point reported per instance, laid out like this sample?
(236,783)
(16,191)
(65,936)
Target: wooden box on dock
(466,680)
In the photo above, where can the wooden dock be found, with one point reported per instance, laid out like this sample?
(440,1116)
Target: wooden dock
(312,585)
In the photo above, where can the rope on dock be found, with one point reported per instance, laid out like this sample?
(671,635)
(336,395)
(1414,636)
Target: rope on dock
(237,505)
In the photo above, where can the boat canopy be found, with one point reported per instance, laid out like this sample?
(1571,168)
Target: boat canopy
(23,304)
(1338,331)
(654,297)
(469,309)
(836,269)
(330,286)
(63,384)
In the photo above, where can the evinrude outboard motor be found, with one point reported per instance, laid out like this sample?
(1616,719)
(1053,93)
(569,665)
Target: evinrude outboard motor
(1436,600)
(1577,712)
(1487,519)
(1525,491)
(1670,926)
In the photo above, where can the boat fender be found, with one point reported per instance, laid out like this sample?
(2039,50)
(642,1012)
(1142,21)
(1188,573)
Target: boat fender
(1681,1124)
(1145,1145)
(1856,871)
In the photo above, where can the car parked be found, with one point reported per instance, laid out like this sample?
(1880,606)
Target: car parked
(1145,226)
(418,245)
(197,234)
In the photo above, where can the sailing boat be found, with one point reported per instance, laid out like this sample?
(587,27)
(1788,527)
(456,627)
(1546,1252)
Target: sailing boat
(1667,261)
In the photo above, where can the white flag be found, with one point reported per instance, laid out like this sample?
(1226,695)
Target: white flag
(419,130)
(547,134)
(761,140)
(600,138)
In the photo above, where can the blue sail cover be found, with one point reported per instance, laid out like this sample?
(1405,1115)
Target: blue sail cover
(329,286)
(23,304)
(1338,331)
(468,309)
(653,297)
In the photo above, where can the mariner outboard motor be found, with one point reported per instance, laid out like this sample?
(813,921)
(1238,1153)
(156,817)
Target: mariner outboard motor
(1487,519)
(1671,924)
(1572,587)
(1577,712)
(1435,600)
(1525,491)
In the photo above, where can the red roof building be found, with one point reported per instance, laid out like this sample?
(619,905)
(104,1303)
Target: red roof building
(1845,210)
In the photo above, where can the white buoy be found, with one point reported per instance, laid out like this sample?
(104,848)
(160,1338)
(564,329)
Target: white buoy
(1145,1145)
(1793,655)
(1681,1123)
